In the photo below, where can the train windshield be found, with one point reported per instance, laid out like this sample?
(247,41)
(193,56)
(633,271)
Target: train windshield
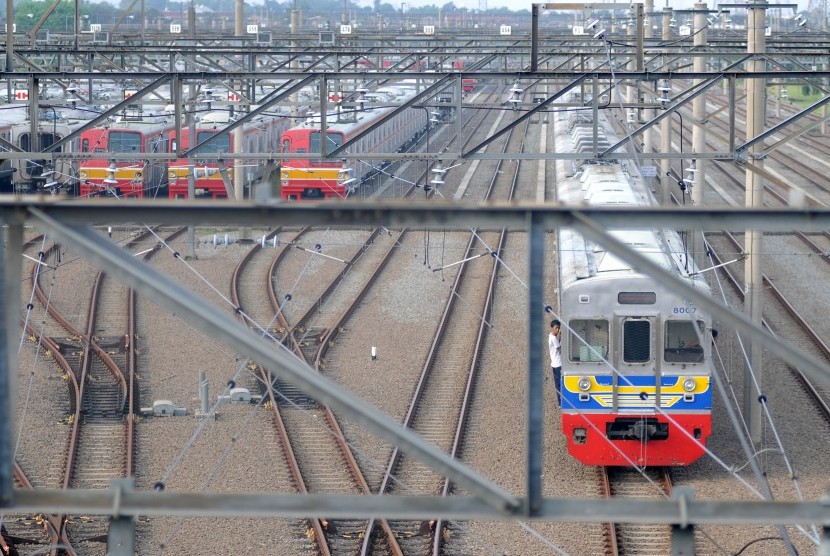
(35,167)
(588,340)
(334,141)
(682,344)
(219,145)
(636,341)
(124,142)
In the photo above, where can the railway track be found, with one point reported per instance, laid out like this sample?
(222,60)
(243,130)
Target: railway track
(318,460)
(806,336)
(635,538)
(99,366)
(443,395)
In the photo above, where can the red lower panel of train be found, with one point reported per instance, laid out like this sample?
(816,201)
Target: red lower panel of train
(616,439)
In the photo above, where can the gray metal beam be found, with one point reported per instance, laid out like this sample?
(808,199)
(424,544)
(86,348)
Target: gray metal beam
(414,214)
(26,155)
(429,92)
(559,94)
(153,285)
(338,506)
(247,117)
(11,244)
(535,372)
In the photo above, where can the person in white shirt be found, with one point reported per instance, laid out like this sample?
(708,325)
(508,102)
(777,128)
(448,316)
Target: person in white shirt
(556,358)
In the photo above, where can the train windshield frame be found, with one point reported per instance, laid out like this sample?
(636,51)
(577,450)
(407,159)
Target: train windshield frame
(334,140)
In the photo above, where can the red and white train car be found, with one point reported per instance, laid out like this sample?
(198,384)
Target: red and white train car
(258,135)
(107,175)
(308,178)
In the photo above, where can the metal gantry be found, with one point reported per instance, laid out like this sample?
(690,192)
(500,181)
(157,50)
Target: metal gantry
(67,223)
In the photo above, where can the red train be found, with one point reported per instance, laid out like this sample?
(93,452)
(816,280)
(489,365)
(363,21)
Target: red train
(133,178)
(258,135)
(108,175)
(208,179)
(304,178)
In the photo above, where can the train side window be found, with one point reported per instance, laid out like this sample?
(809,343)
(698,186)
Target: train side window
(588,340)
(681,343)
(85,146)
(636,341)
(286,146)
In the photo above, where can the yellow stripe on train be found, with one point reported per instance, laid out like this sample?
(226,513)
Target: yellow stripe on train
(306,174)
(102,173)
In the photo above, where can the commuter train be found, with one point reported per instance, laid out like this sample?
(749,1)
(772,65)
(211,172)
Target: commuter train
(108,176)
(636,356)
(26,176)
(305,178)
(43,174)
(10,115)
(258,135)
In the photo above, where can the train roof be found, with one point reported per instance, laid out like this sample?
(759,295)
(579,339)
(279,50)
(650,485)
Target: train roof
(374,108)
(609,183)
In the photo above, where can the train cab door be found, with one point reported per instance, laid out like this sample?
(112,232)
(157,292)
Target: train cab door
(636,362)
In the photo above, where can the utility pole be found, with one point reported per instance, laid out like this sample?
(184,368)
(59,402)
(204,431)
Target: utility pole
(756,96)
(238,177)
(665,124)
(698,177)
(10,45)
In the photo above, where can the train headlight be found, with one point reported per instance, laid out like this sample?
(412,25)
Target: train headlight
(138,174)
(82,174)
(689,384)
(584,384)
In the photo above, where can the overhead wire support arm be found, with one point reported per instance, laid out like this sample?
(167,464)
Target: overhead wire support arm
(665,114)
(250,115)
(775,129)
(525,116)
(106,114)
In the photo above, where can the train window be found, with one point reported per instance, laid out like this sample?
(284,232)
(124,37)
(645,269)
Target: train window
(286,146)
(636,341)
(636,298)
(334,140)
(85,146)
(588,340)
(218,145)
(124,142)
(681,342)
